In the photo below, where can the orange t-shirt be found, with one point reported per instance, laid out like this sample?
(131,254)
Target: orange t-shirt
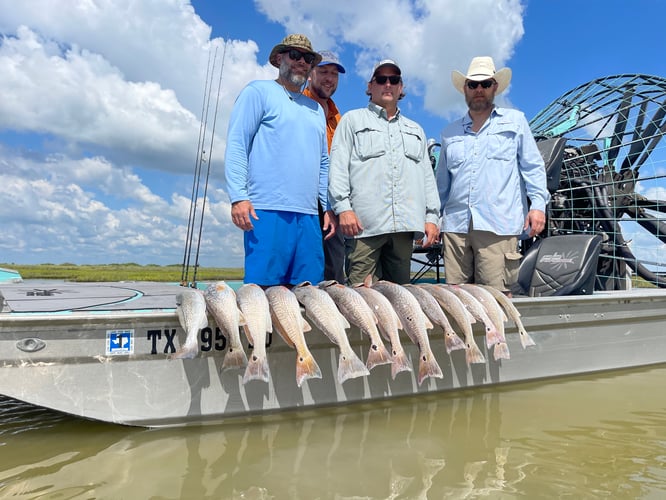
(332,118)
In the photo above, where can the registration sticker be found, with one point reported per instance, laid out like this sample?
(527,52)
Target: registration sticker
(119,342)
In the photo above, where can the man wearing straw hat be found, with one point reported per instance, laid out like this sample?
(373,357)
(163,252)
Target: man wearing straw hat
(276,169)
(489,166)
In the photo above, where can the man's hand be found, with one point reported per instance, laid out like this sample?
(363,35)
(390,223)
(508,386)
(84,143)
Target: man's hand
(349,223)
(431,235)
(241,212)
(535,221)
(330,224)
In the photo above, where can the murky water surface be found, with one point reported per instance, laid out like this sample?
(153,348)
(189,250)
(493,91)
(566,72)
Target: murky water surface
(601,436)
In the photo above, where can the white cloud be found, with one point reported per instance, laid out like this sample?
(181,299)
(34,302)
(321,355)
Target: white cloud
(102,101)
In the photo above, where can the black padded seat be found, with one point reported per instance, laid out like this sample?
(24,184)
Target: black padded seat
(559,265)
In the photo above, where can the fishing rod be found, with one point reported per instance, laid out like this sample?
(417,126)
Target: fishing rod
(184,278)
(210,157)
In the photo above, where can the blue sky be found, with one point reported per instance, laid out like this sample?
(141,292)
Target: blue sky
(101,103)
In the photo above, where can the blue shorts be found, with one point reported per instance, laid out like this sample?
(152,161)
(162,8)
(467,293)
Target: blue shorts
(284,248)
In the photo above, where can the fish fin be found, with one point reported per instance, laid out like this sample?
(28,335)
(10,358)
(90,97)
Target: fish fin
(474,355)
(248,334)
(400,363)
(378,355)
(525,338)
(501,351)
(282,333)
(428,324)
(452,341)
(306,367)
(241,318)
(185,352)
(306,326)
(350,366)
(368,281)
(428,367)
(326,283)
(234,358)
(257,369)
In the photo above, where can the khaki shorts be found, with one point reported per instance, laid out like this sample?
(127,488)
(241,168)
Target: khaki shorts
(481,257)
(386,256)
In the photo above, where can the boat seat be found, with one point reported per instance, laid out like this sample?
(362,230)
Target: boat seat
(552,152)
(559,265)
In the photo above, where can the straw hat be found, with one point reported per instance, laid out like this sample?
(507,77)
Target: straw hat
(294,41)
(482,68)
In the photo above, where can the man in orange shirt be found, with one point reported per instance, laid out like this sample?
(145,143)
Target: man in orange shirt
(322,84)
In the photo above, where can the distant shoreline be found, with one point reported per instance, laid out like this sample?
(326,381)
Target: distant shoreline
(123,272)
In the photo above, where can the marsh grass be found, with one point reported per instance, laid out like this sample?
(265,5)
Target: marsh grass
(122,272)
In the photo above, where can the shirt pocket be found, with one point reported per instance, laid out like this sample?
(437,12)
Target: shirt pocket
(369,144)
(455,152)
(502,144)
(412,143)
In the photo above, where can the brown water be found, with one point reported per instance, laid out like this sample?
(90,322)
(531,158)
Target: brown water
(600,436)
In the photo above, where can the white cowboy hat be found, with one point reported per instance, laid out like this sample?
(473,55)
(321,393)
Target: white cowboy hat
(482,68)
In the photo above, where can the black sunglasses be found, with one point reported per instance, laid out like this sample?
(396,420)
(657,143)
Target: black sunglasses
(485,84)
(297,54)
(381,79)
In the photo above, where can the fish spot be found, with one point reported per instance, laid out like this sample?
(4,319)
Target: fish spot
(254,358)
(374,347)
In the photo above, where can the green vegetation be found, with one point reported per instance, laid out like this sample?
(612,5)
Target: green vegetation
(122,272)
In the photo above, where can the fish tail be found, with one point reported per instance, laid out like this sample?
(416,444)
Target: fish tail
(453,342)
(184,353)
(378,355)
(257,369)
(350,366)
(474,354)
(428,367)
(525,338)
(501,351)
(235,358)
(400,363)
(188,350)
(306,367)
(493,336)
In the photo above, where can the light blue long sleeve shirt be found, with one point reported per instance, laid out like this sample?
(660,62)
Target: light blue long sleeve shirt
(277,151)
(486,176)
(380,169)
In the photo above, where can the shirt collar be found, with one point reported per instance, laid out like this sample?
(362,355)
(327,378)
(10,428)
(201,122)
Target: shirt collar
(381,112)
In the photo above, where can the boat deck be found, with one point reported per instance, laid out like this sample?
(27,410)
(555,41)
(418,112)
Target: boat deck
(58,297)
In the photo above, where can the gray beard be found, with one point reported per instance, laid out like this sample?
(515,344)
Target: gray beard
(289,76)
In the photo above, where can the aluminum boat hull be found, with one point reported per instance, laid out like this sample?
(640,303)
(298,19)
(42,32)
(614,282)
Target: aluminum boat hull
(101,351)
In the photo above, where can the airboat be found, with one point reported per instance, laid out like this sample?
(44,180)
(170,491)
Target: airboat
(103,350)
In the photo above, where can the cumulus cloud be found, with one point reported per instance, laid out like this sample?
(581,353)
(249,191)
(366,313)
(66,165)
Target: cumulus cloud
(101,107)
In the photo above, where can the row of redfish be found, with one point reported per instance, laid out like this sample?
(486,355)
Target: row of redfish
(379,310)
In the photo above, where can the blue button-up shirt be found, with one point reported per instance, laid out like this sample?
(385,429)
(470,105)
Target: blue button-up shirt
(486,176)
(380,169)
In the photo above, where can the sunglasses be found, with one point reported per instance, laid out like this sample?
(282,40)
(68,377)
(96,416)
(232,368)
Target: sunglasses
(296,55)
(381,79)
(485,84)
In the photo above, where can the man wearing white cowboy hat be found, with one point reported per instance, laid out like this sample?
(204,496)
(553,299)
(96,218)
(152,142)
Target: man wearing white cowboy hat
(489,165)
(276,169)
(322,84)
